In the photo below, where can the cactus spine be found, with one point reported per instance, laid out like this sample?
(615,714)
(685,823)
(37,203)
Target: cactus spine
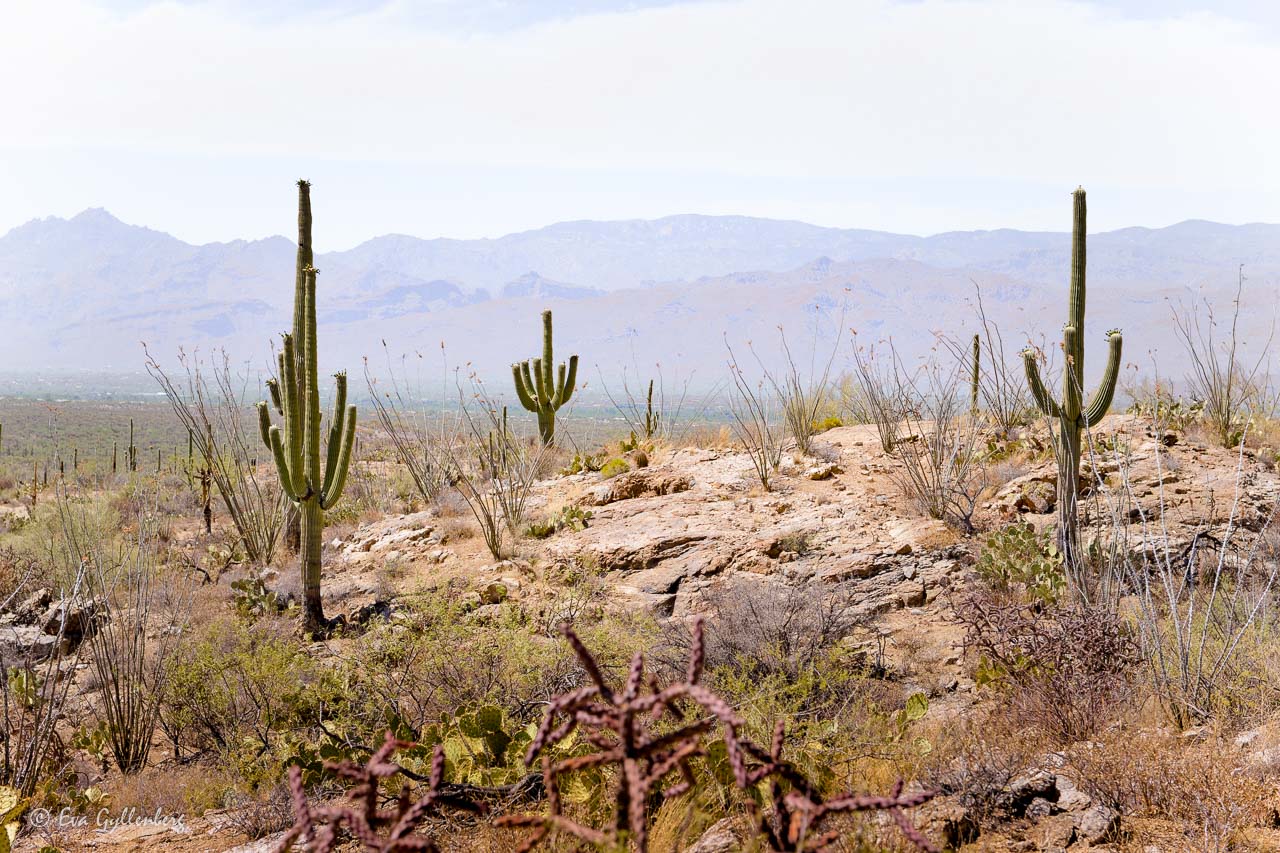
(1072,414)
(538,390)
(976,373)
(296,449)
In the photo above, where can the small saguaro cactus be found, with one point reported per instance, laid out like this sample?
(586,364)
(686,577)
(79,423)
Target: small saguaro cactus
(539,391)
(1072,414)
(131,452)
(652,419)
(975,374)
(296,448)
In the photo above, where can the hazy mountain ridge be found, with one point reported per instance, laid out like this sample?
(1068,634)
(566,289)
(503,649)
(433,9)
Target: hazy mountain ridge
(92,287)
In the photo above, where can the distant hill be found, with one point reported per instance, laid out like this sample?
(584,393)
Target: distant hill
(87,290)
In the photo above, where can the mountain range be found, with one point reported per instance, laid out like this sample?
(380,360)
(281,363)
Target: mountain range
(86,291)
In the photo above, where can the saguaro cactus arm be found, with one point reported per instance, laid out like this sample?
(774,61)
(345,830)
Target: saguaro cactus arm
(342,431)
(524,385)
(1039,393)
(1101,402)
(566,382)
(336,475)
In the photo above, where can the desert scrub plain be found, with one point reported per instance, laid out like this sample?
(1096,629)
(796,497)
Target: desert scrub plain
(949,605)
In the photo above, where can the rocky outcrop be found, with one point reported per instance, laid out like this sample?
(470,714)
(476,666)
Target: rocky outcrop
(642,483)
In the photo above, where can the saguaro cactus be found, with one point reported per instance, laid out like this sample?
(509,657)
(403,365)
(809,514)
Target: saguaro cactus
(975,374)
(1072,414)
(535,386)
(297,448)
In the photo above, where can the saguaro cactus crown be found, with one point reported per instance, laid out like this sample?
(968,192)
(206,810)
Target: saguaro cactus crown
(297,448)
(539,391)
(1072,414)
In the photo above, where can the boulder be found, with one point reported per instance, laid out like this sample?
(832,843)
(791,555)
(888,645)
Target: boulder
(724,836)
(1097,824)
(642,483)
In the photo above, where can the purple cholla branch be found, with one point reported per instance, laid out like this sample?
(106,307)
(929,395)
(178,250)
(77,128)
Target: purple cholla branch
(362,818)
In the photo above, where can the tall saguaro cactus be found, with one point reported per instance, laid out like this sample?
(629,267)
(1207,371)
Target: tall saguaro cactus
(297,448)
(539,391)
(1072,414)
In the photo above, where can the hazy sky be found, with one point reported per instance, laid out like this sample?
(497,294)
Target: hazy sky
(469,118)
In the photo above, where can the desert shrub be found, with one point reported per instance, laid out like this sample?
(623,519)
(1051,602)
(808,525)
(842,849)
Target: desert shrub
(875,395)
(1220,375)
(613,468)
(1062,669)
(431,661)
(942,467)
(803,393)
(755,422)
(765,627)
(1002,390)
(17,570)
(1019,561)
(654,414)
(1155,402)
(829,422)
(262,813)
(42,540)
(1195,786)
(136,632)
(170,789)
(977,756)
(213,405)
(1203,609)
(240,693)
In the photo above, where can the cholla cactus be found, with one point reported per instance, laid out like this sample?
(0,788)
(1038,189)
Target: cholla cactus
(296,448)
(1072,414)
(538,390)
(378,830)
(621,725)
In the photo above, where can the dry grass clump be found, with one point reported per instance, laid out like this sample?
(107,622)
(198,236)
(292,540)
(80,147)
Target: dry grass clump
(1197,786)
(170,788)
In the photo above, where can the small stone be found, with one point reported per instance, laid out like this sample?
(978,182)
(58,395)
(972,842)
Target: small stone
(494,593)
(1071,798)
(1097,824)
(822,472)
(1038,808)
(1246,738)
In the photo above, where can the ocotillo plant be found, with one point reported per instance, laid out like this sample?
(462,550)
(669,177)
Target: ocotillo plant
(974,374)
(1072,414)
(296,449)
(539,391)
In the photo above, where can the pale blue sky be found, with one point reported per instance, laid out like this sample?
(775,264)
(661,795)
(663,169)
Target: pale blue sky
(469,118)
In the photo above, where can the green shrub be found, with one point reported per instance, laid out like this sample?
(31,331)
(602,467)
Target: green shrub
(614,467)
(829,422)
